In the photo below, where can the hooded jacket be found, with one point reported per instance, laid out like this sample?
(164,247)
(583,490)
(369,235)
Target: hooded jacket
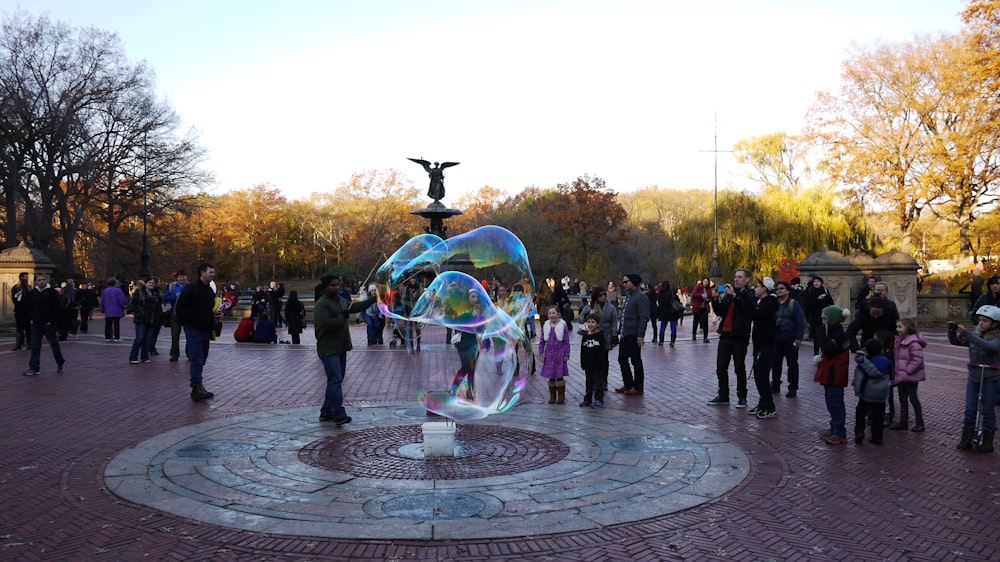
(909,358)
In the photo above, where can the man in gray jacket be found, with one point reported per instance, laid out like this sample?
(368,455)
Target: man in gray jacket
(632,330)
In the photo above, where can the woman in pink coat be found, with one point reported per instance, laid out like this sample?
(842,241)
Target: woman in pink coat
(909,364)
(554,353)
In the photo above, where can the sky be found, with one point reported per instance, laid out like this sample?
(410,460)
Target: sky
(298,95)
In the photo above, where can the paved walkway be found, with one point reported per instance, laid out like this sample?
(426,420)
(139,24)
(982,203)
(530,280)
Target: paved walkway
(111,461)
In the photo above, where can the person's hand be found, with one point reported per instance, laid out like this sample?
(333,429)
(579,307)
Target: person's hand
(960,330)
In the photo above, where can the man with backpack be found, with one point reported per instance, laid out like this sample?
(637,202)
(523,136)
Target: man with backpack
(790,322)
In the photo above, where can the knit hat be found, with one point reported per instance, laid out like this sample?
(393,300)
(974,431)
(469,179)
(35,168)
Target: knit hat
(835,314)
(634,278)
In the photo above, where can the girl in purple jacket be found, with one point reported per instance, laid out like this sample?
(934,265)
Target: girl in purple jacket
(909,364)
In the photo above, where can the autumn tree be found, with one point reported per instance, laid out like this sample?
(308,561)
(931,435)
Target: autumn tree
(774,160)
(377,205)
(911,130)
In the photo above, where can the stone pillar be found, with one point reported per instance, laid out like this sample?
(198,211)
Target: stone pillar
(899,271)
(12,262)
(838,275)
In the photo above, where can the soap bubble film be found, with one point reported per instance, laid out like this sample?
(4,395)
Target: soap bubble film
(482,367)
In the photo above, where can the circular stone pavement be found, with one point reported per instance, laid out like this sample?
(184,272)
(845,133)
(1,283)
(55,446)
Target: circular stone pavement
(534,470)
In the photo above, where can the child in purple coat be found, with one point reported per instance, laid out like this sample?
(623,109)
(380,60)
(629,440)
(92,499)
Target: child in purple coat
(554,353)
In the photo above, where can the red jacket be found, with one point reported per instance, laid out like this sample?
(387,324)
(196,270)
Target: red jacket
(834,365)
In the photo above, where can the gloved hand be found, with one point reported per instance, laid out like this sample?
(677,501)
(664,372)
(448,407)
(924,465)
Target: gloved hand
(818,358)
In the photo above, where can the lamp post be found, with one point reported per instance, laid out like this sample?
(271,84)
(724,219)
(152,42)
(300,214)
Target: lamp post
(714,270)
(145,270)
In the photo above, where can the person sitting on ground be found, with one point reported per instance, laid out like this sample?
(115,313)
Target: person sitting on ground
(244,331)
(265,331)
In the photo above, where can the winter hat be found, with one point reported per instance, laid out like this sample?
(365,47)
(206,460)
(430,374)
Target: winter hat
(835,314)
(634,278)
(768,284)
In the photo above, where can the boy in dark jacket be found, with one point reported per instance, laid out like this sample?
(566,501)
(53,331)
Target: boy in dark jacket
(871,386)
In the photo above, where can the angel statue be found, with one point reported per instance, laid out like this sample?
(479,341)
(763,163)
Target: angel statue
(436,189)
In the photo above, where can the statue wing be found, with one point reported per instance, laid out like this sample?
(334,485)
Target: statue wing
(424,163)
(448,164)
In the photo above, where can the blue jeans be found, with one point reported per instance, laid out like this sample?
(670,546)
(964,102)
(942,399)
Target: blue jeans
(197,345)
(838,412)
(49,331)
(629,350)
(143,342)
(990,391)
(333,403)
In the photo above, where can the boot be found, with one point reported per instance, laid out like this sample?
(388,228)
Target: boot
(561,392)
(965,442)
(987,445)
(673,338)
(198,392)
(552,392)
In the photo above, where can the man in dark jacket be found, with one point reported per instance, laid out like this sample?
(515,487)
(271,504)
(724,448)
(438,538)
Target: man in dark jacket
(333,341)
(195,312)
(734,306)
(632,331)
(44,316)
(790,322)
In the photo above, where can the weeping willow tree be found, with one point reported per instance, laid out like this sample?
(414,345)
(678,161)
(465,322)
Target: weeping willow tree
(762,232)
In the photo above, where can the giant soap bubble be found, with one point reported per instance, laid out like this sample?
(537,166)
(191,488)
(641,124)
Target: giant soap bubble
(481,370)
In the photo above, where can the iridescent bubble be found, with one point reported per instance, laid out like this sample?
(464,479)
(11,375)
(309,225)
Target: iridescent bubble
(482,368)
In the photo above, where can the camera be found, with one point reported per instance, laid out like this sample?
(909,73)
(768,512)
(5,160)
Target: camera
(952,328)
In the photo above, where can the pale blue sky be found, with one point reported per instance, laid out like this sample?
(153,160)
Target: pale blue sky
(299,94)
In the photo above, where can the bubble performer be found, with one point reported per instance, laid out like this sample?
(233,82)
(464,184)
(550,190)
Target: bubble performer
(500,358)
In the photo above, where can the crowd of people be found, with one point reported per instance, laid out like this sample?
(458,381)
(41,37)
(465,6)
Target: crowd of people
(770,319)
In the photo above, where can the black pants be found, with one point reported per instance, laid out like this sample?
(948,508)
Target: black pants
(699,319)
(763,360)
(786,352)
(629,350)
(877,412)
(735,350)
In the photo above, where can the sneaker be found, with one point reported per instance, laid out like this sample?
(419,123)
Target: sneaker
(59,367)
(31,373)
(836,440)
(718,400)
(147,360)
(766,414)
(753,411)
(597,404)
(338,421)
(585,404)
(741,403)
(791,394)
(133,361)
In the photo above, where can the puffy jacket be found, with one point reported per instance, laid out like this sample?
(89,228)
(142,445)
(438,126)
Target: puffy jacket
(834,360)
(113,302)
(871,379)
(909,358)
